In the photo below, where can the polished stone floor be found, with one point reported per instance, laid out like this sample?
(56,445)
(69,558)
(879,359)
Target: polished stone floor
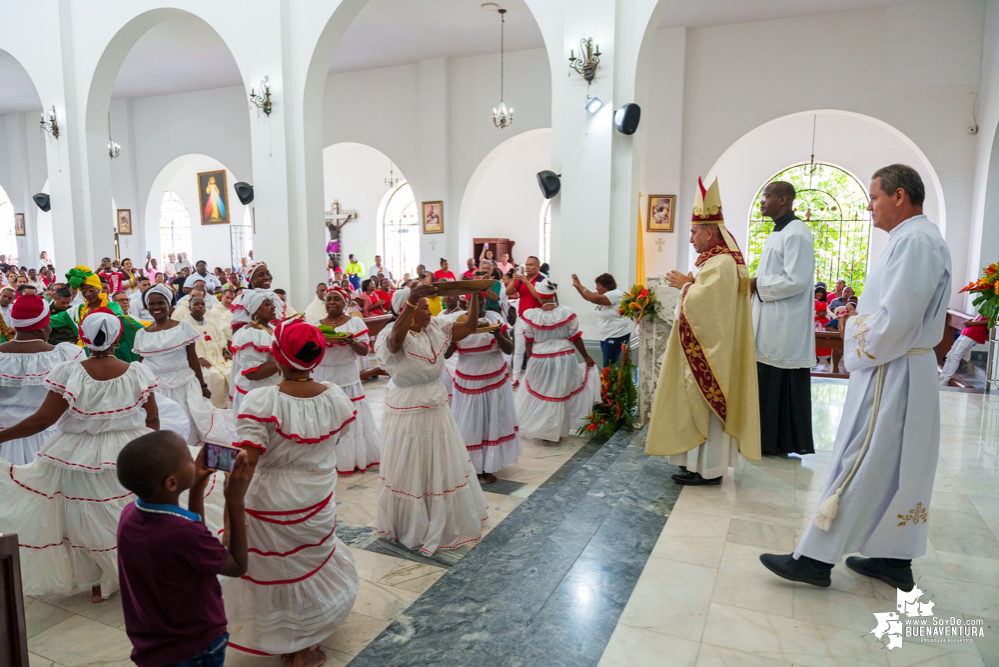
(593,556)
(704,599)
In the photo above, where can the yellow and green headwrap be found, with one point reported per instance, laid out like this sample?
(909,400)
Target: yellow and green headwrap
(82,275)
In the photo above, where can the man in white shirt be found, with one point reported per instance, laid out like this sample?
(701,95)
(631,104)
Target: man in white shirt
(783,316)
(378,268)
(137,308)
(182,263)
(212,284)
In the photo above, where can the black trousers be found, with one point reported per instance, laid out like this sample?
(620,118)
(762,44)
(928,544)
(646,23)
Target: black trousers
(785,410)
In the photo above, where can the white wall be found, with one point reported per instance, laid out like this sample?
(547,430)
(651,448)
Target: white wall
(503,199)
(354,174)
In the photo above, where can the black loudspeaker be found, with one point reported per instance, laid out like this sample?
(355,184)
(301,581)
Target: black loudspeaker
(549,182)
(42,200)
(244,191)
(626,118)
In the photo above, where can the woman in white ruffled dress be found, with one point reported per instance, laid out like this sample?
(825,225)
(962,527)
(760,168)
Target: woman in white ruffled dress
(452,311)
(167,348)
(253,364)
(558,392)
(300,583)
(359,449)
(483,398)
(65,504)
(429,497)
(25,362)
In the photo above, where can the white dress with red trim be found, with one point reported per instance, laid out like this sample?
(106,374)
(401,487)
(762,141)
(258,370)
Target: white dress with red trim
(557,392)
(165,354)
(360,448)
(447,377)
(65,505)
(429,497)
(483,401)
(251,349)
(300,584)
(22,390)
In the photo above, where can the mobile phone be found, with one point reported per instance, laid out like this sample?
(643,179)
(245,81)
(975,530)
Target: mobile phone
(220,457)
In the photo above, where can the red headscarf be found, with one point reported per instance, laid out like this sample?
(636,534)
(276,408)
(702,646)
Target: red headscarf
(298,345)
(342,292)
(30,312)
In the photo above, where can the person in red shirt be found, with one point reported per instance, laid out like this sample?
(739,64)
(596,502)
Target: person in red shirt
(469,275)
(975,332)
(385,291)
(373,304)
(112,276)
(443,274)
(522,286)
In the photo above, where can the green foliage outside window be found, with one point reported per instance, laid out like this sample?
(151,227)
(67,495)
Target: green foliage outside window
(834,206)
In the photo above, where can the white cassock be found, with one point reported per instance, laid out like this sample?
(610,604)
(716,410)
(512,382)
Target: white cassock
(316,310)
(209,347)
(883,509)
(222,318)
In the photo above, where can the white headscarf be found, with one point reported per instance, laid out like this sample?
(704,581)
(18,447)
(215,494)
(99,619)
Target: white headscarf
(398,299)
(545,287)
(100,331)
(246,304)
(158,288)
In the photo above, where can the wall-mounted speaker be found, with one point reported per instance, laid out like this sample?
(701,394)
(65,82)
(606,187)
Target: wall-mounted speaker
(42,200)
(549,182)
(244,191)
(626,118)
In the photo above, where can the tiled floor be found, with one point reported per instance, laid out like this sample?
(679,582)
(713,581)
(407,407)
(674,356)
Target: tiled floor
(704,599)
(74,632)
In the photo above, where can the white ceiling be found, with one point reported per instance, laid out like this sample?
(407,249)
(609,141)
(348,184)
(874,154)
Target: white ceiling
(185,54)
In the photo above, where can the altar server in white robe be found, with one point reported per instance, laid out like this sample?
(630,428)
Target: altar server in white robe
(877,495)
(213,354)
(317,309)
(783,321)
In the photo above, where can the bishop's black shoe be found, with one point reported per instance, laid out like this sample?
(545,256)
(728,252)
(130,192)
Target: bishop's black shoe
(806,570)
(695,479)
(893,571)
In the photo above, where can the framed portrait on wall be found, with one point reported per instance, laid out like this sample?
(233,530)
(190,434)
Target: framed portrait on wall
(433,217)
(660,217)
(214,197)
(19,224)
(124,221)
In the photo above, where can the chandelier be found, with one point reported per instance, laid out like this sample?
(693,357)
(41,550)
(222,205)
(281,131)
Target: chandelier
(392,179)
(502,117)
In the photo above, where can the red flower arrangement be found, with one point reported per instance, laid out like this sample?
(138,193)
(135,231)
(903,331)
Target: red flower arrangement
(636,302)
(618,400)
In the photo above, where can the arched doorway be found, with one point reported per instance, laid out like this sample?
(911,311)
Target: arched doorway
(175,228)
(399,231)
(833,203)
(8,240)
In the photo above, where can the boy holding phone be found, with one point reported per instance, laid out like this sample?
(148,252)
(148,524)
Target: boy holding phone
(168,561)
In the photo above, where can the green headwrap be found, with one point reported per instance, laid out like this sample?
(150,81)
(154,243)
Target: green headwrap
(81,275)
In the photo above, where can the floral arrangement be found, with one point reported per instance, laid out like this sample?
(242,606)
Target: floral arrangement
(618,400)
(636,302)
(987,288)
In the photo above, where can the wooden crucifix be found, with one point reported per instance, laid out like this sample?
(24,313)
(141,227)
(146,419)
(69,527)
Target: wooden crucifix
(335,220)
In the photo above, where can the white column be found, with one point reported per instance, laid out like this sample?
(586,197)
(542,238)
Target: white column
(431,183)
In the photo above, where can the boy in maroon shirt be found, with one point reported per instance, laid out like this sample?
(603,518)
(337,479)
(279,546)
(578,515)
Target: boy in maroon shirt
(168,561)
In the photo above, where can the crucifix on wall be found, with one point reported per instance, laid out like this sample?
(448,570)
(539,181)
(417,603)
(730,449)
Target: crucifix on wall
(335,220)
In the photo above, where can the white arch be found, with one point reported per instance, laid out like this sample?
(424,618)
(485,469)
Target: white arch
(857,143)
(502,197)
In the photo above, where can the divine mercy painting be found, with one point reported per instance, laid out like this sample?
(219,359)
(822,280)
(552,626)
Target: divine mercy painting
(214,197)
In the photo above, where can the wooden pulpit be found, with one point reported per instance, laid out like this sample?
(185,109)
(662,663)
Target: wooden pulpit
(13,629)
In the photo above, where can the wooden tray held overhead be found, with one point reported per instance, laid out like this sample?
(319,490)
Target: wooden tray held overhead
(459,287)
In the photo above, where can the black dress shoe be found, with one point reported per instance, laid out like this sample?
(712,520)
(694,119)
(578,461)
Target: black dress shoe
(683,474)
(894,572)
(806,570)
(695,479)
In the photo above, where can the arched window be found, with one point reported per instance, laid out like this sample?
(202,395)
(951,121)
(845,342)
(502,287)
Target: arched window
(834,206)
(401,232)
(546,231)
(8,240)
(175,227)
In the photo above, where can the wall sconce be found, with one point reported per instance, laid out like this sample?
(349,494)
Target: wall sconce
(263,100)
(594,105)
(114,150)
(50,124)
(588,61)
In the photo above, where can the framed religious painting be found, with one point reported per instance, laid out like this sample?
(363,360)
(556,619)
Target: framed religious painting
(19,224)
(660,217)
(125,221)
(433,217)
(214,197)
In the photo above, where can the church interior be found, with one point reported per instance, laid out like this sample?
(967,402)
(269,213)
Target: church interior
(392,128)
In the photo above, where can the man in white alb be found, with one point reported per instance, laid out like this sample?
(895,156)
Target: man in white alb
(783,317)
(877,495)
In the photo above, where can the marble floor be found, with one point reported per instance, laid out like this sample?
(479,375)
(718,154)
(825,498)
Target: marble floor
(594,557)
(74,632)
(704,599)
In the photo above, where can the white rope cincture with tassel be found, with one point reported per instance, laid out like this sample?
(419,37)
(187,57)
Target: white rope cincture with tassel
(827,510)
